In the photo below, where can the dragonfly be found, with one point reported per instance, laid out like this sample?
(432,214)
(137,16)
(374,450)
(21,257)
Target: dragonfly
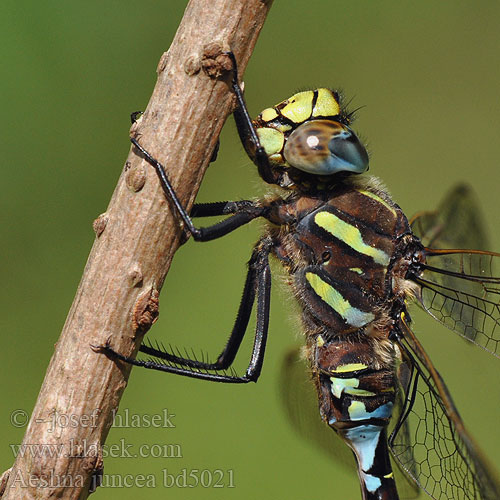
(356,264)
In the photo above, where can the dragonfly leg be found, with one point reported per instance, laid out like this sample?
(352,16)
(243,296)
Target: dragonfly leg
(258,282)
(245,215)
(246,129)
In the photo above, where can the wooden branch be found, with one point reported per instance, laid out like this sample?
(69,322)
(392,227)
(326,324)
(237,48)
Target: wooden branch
(136,238)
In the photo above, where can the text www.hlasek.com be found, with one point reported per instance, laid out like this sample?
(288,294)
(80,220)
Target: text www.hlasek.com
(122,449)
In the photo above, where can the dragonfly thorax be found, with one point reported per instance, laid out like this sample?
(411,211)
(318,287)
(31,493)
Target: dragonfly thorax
(343,245)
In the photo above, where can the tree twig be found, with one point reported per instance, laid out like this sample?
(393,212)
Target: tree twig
(136,239)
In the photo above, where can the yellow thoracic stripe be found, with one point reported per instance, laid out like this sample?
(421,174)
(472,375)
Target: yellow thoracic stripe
(375,197)
(352,316)
(350,235)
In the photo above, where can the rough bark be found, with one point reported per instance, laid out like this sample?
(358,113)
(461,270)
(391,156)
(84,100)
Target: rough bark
(135,240)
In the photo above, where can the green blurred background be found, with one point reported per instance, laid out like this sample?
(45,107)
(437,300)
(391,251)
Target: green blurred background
(428,75)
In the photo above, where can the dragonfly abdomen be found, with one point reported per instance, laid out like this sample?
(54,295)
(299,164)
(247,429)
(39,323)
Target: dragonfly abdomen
(357,395)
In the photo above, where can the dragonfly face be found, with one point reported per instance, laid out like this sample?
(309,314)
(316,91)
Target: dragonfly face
(355,262)
(309,133)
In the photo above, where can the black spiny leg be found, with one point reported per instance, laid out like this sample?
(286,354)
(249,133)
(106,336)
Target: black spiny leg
(258,282)
(243,213)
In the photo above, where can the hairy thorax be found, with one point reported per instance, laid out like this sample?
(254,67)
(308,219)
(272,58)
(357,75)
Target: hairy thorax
(346,251)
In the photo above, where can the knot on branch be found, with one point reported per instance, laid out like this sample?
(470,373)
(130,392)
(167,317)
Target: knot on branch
(146,311)
(215,61)
(99,224)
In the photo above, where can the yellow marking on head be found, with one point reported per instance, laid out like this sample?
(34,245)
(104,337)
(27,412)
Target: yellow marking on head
(350,367)
(320,341)
(351,236)
(269,114)
(352,316)
(326,104)
(389,476)
(282,127)
(357,270)
(272,140)
(375,197)
(299,107)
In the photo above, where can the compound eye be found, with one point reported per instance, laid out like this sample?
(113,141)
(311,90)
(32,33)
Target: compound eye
(325,147)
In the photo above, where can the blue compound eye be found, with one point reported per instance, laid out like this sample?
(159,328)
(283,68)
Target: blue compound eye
(325,147)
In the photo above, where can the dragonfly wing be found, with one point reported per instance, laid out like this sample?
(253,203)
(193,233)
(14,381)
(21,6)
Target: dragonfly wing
(453,288)
(300,400)
(405,460)
(443,459)
(457,223)
(461,289)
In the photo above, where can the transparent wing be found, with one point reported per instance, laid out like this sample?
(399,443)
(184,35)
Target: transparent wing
(440,455)
(300,401)
(408,488)
(457,223)
(461,289)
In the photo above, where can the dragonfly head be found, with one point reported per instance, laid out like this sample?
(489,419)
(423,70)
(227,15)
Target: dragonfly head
(308,141)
